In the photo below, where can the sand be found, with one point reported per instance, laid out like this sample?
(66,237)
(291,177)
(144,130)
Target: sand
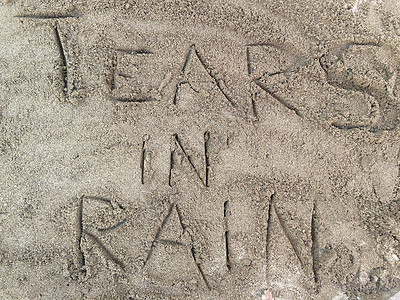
(199,149)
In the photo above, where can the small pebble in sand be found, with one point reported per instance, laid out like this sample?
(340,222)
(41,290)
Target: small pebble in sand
(267,295)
